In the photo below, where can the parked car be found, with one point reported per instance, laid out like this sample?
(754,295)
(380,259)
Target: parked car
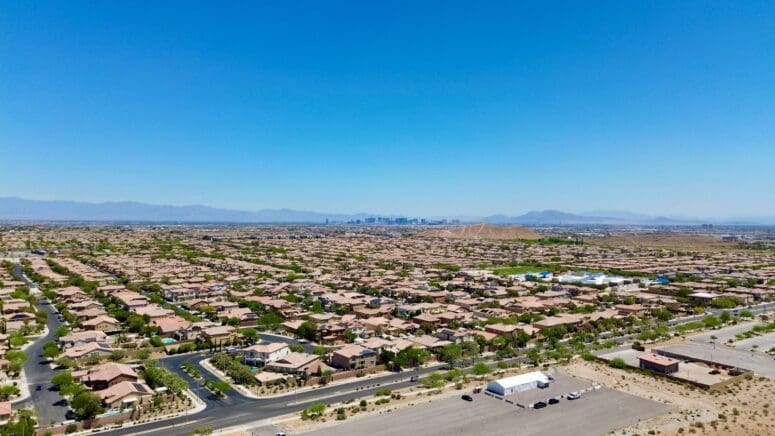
(553,401)
(574,396)
(467,397)
(539,405)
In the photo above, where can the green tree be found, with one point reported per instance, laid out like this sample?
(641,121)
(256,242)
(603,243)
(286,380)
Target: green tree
(308,330)
(22,424)
(86,405)
(51,350)
(451,353)
(117,355)
(410,356)
(250,334)
(534,356)
(62,378)
(481,368)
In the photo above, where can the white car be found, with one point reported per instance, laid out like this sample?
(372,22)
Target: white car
(574,396)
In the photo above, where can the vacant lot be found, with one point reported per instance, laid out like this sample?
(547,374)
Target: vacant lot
(760,344)
(668,241)
(758,363)
(596,413)
(739,409)
(484,231)
(723,335)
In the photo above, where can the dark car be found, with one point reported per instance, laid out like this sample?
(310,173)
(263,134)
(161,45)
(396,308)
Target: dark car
(38,387)
(467,398)
(70,414)
(553,401)
(539,405)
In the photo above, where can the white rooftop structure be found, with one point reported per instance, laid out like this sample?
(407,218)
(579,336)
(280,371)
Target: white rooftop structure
(518,383)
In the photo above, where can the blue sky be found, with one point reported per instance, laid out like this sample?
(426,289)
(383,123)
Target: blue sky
(419,108)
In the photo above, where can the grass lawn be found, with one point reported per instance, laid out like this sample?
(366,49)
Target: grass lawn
(507,271)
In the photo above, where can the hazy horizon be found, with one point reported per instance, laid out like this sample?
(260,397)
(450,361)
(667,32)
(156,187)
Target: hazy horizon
(414,109)
(610,213)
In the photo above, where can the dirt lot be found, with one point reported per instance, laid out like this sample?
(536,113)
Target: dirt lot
(667,241)
(742,409)
(759,363)
(484,231)
(757,344)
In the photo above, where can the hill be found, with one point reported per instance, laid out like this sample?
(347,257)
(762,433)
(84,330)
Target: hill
(484,231)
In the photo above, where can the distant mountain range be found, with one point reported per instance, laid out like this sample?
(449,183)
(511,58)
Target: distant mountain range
(549,217)
(19,209)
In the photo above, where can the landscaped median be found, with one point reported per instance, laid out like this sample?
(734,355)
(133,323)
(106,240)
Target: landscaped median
(267,384)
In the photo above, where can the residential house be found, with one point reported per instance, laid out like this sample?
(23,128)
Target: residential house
(354,357)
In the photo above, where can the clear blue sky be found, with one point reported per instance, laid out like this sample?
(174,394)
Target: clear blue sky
(416,108)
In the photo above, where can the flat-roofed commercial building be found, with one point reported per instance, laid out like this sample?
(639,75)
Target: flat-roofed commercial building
(657,363)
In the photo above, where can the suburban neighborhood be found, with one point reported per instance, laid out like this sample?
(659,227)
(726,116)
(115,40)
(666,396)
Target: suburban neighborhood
(138,324)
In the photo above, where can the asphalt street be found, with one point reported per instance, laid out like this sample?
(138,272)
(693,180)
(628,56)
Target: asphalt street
(237,409)
(48,404)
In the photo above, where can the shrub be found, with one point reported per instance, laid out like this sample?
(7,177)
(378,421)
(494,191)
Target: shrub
(481,368)
(617,362)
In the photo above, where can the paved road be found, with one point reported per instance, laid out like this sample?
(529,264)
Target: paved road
(48,404)
(238,409)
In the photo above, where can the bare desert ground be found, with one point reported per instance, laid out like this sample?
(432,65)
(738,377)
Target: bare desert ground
(741,409)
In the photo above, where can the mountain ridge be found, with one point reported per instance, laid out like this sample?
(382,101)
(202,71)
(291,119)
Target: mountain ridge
(20,209)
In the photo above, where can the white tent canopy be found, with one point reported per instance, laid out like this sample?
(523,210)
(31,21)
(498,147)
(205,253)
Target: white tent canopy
(518,383)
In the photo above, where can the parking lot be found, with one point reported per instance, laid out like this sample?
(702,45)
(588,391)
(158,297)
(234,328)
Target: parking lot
(759,344)
(691,371)
(558,388)
(758,363)
(596,413)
